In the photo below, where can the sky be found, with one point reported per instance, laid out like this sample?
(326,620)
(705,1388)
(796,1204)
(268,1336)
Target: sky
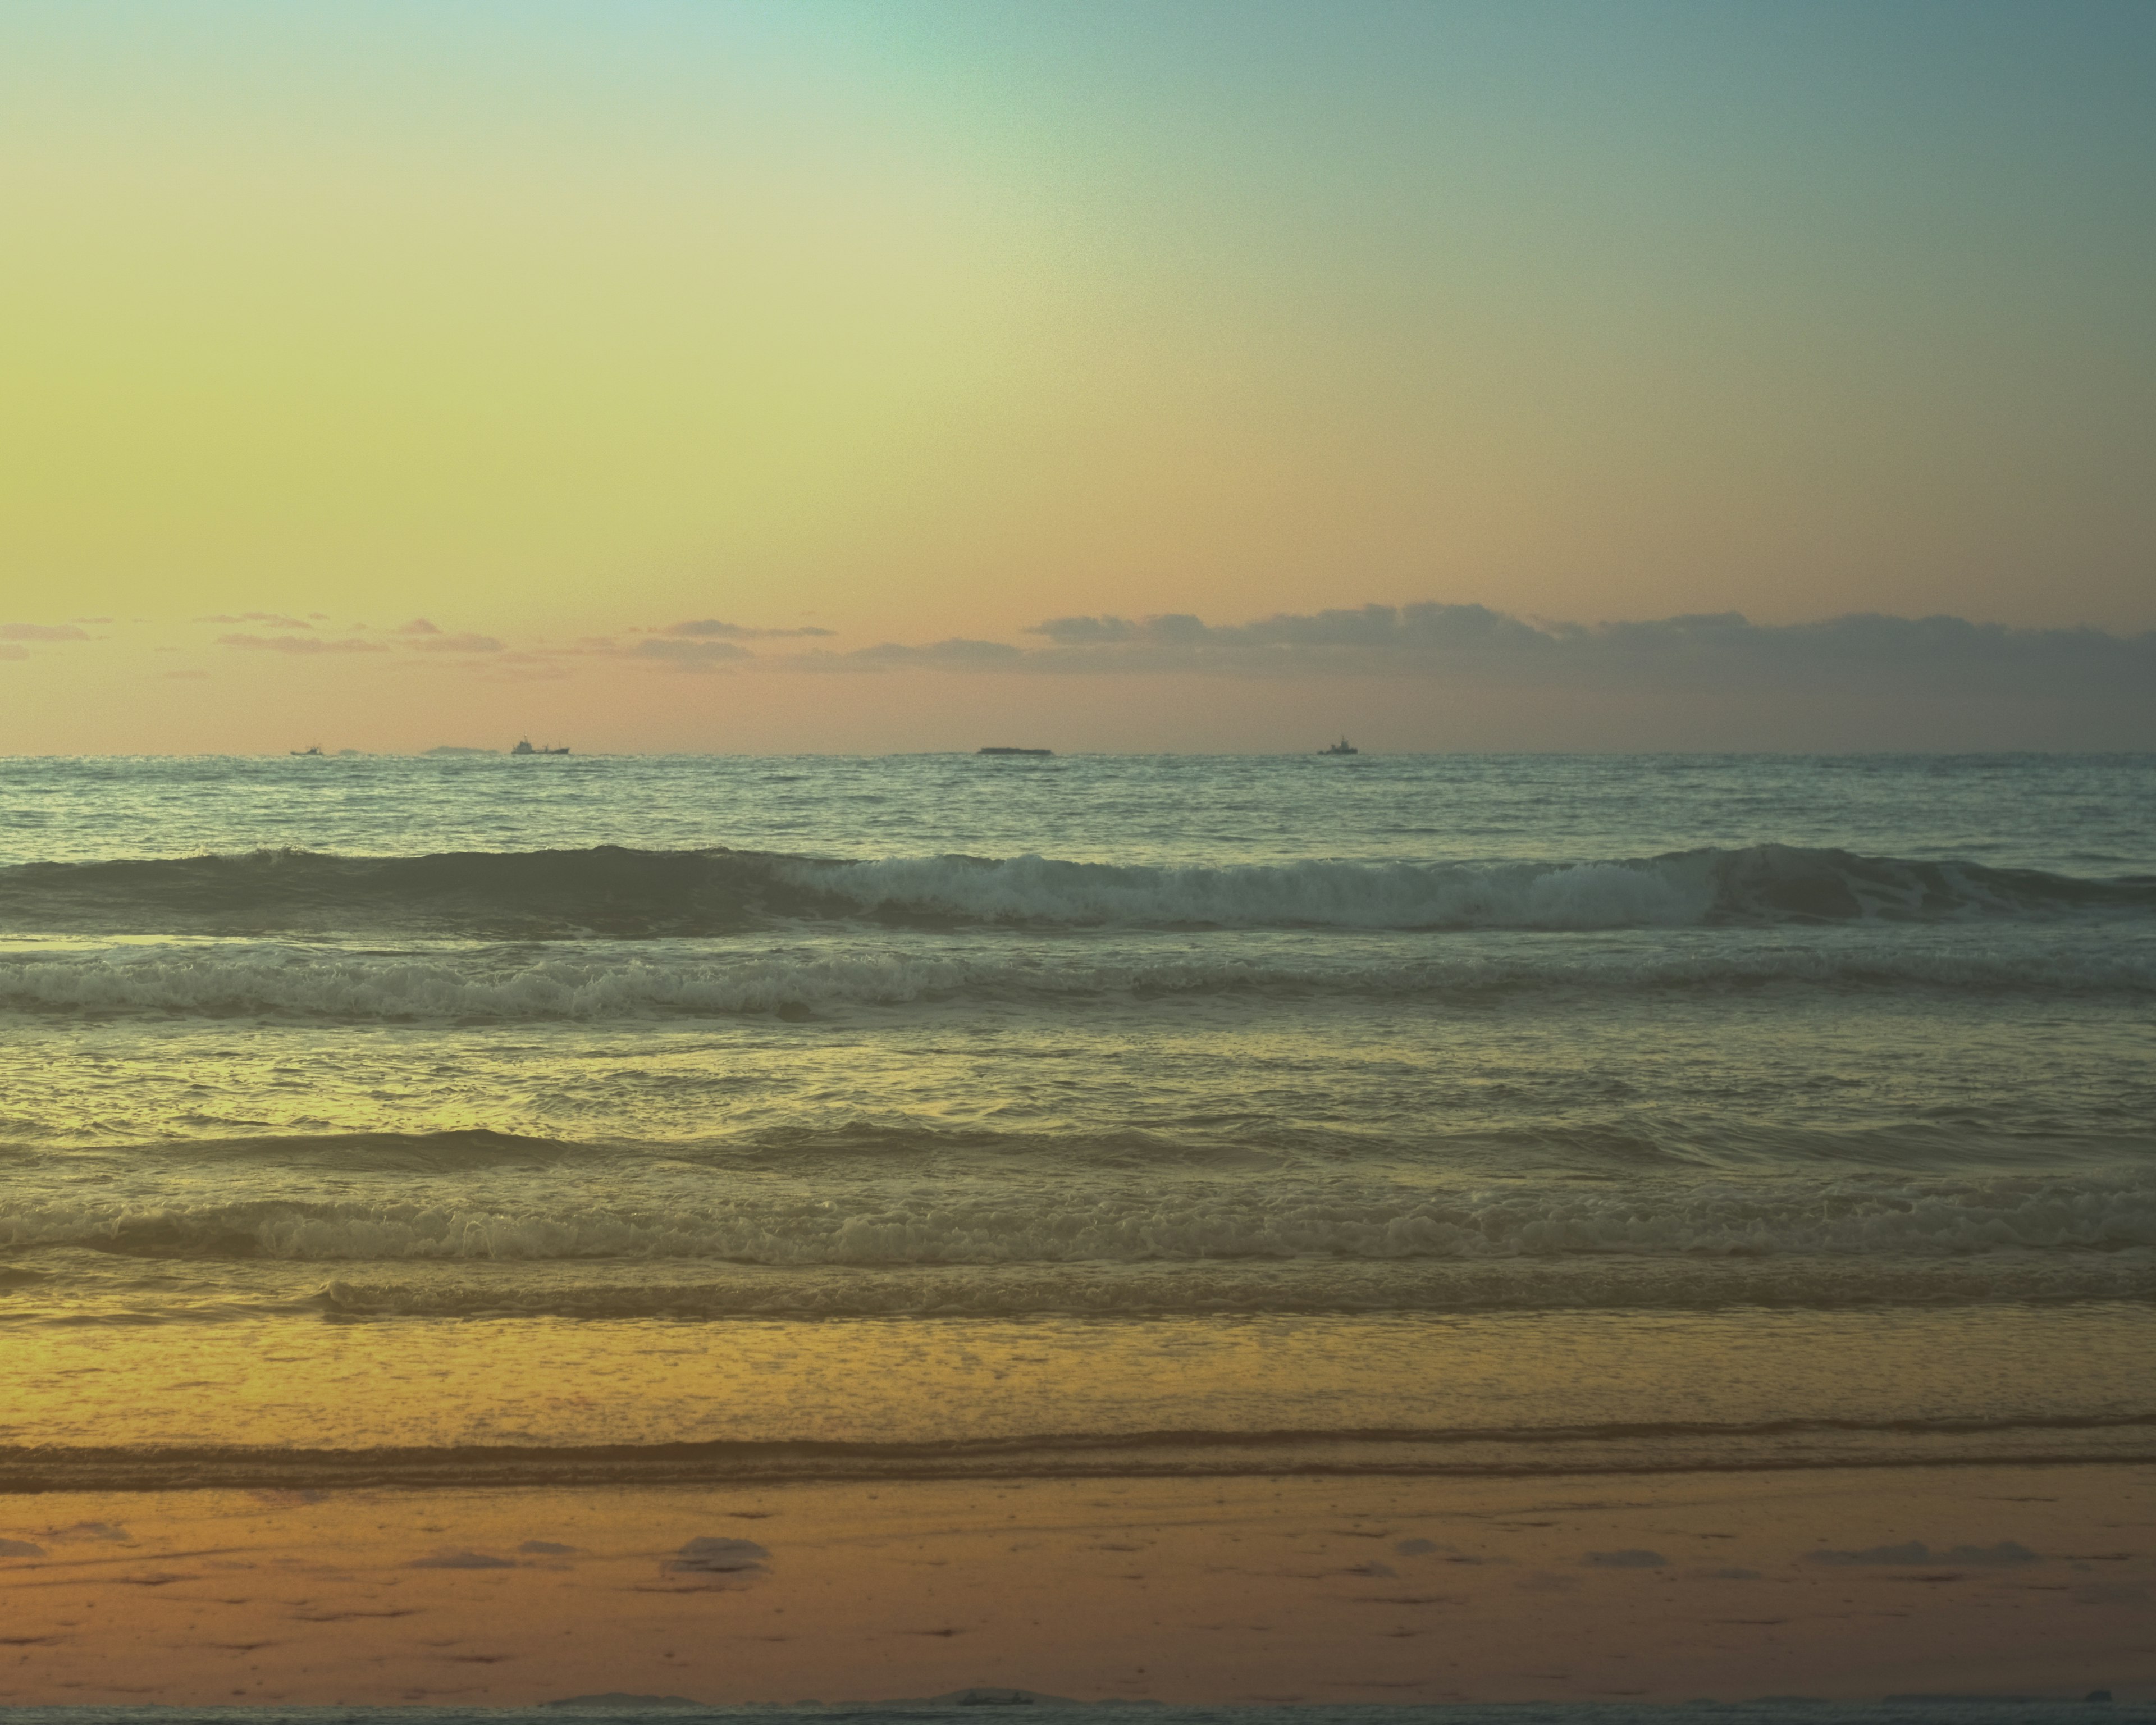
(890,376)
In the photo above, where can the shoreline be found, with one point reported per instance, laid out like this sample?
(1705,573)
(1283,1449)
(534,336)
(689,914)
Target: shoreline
(1192,1455)
(1713,1383)
(1851,1583)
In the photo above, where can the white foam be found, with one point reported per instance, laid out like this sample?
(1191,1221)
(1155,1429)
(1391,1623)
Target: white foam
(1082,1222)
(1336,894)
(599,983)
(1756,884)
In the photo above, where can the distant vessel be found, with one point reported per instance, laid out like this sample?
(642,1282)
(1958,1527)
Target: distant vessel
(1341,748)
(1015,752)
(524,748)
(315,750)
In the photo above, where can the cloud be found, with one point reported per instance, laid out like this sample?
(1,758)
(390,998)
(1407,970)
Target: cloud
(417,626)
(1411,630)
(10,651)
(20,1549)
(1632,1557)
(440,642)
(297,644)
(1087,631)
(705,628)
(958,651)
(685,655)
(278,618)
(41,632)
(1472,644)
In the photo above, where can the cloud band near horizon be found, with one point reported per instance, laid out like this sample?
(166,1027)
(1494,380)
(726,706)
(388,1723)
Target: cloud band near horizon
(1473,642)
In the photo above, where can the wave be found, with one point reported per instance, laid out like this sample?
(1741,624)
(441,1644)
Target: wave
(611,891)
(585,983)
(789,1225)
(1514,1452)
(1245,1290)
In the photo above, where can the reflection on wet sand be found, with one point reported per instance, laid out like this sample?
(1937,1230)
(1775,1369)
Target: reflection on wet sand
(1845,1582)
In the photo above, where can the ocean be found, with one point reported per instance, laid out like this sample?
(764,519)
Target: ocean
(469,1119)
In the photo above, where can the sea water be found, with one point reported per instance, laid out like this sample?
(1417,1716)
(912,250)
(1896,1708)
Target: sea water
(604,1117)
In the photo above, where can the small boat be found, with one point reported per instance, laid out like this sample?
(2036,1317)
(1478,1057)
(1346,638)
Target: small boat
(1013,751)
(1341,748)
(524,748)
(315,750)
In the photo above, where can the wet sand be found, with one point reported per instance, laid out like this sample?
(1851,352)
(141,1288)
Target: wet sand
(1843,1583)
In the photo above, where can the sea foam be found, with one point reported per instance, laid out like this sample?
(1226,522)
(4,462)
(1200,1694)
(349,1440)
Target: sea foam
(596,982)
(783,1223)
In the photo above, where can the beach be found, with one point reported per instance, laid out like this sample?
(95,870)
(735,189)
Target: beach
(1842,1584)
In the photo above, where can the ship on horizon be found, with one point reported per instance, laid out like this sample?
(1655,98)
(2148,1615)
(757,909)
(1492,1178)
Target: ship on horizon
(1341,748)
(524,748)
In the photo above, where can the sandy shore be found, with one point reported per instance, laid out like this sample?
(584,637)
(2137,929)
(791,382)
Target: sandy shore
(1843,1584)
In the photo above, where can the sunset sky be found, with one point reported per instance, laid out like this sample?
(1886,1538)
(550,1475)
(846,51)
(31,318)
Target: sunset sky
(882,375)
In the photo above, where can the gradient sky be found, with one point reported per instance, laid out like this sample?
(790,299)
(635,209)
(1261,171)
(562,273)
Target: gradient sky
(555,326)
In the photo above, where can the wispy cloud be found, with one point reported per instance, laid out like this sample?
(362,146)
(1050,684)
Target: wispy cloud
(957,650)
(276,618)
(1473,645)
(1722,650)
(683,656)
(709,628)
(41,632)
(298,644)
(437,642)
(417,626)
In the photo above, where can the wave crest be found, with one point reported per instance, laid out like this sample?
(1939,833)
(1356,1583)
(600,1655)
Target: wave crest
(611,891)
(1082,1223)
(585,983)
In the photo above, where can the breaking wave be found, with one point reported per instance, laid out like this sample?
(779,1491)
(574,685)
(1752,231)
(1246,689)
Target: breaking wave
(589,983)
(1230,1290)
(1522,1452)
(609,892)
(1088,1222)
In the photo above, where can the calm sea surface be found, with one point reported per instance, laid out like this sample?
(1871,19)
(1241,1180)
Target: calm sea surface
(803,1116)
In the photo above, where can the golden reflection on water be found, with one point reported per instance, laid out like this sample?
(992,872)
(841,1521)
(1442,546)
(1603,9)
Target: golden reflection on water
(312,1383)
